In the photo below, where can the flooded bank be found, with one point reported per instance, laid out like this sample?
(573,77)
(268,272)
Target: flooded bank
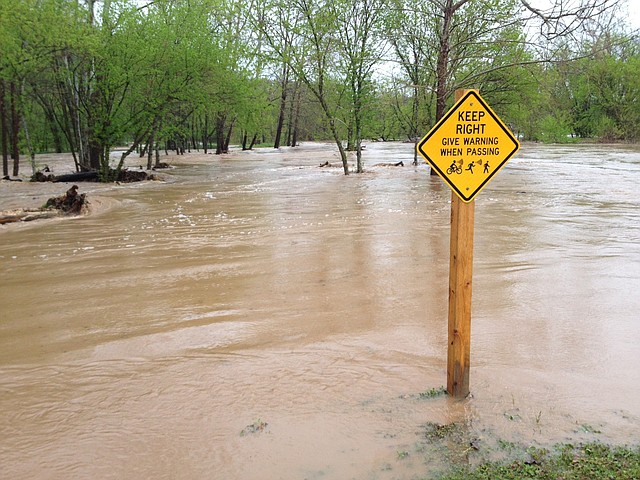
(255,316)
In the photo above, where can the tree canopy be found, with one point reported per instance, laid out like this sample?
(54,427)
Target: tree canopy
(89,76)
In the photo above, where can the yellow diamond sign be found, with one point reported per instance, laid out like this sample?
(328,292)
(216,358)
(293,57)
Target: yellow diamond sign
(468,146)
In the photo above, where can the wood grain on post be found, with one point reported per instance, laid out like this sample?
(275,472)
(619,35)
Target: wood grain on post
(460,288)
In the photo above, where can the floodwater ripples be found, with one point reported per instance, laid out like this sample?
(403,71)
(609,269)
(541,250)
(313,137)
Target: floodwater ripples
(257,316)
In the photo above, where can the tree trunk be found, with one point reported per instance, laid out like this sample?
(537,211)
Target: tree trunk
(27,136)
(415,115)
(292,109)
(253,141)
(359,166)
(94,154)
(220,121)
(245,139)
(283,105)
(150,149)
(442,67)
(66,119)
(55,131)
(95,145)
(356,90)
(334,130)
(338,140)
(5,131)
(134,146)
(73,127)
(91,12)
(227,140)
(15,130)
(205,133)
(152,142)
(350,139)
(296,117)
(194,141)
(32,154)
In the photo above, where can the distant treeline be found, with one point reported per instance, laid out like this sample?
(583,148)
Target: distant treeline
(182,75)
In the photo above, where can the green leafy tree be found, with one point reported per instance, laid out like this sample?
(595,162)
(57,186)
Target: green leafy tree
(311,52)
(411,29)
(359,51)
(605,87)
(481,44)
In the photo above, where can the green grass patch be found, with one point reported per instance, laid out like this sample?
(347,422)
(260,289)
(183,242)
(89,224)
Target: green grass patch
(567,462)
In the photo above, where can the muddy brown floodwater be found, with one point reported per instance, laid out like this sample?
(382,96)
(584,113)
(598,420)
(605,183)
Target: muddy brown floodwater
(257,317)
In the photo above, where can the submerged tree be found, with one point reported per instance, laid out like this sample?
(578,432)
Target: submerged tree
(322,43)
(359,49)
(300,34)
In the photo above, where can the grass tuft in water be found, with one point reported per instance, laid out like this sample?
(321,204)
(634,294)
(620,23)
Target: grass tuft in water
(432,393)
(402,454)
(256,427)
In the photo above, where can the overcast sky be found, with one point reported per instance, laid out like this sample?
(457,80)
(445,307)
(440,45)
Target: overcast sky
(634,13)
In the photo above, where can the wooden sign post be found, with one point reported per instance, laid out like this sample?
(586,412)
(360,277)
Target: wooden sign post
(466,148)
(460,287)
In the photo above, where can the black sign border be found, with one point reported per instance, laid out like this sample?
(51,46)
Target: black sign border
(454,109)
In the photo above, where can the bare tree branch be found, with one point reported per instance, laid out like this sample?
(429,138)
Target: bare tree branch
(562,20)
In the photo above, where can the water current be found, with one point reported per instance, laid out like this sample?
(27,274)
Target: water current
(254,316)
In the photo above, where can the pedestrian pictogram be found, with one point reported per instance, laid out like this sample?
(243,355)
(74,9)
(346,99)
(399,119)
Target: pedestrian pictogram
(468,146)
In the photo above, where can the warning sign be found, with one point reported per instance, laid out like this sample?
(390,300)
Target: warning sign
(468,146)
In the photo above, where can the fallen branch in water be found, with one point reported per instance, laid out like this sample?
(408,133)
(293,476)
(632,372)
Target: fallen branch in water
(26,215)
(71,203)
(125,176)
(398,164)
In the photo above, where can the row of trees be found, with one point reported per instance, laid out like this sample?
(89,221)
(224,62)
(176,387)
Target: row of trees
(86,76)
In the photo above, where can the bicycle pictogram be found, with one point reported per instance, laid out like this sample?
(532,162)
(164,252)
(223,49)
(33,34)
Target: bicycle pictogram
(454,168)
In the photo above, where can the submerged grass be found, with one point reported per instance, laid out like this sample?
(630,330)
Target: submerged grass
(432,393)
(567,462)
(466,453)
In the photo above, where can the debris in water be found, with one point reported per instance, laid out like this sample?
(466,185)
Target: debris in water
(71,203)
(256,427)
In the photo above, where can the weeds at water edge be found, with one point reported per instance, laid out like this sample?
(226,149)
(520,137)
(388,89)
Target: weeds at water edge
(566,462)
